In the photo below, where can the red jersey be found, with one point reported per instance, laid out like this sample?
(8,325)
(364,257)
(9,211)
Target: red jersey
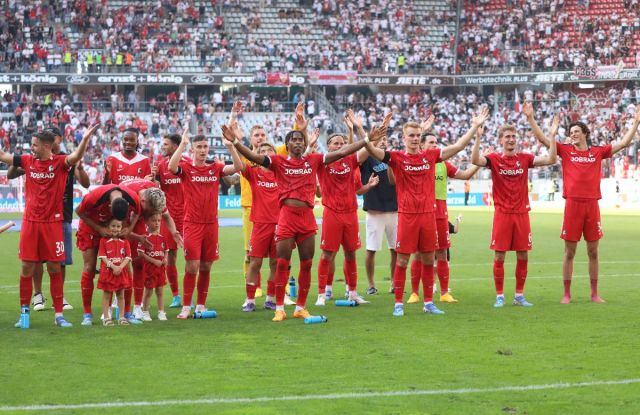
(510,176)
(122,168)
(264,189)
(581,170)
(338,184)
(136,185)
(97,206)
(159,248)
(201,188)
(115,250)
(45,181)
(415,179)
(297,177)
(171,185)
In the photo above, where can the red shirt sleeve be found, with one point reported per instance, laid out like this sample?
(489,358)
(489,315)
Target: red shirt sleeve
(451,169)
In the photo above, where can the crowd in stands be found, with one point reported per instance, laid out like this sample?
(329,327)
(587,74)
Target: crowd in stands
(544,35)
(90,36)
(605,112)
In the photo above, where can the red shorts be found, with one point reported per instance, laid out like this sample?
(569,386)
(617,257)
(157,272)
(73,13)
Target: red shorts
(416,233)
(107,281)
(511,232)
(444,239)
(201,241)
(154,277)
(262,243)
(172,245)
(87,240)
(340,229)
(41,241)
(581,217)
(295,222)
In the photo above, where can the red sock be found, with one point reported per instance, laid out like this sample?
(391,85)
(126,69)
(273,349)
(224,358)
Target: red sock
(259,285)
(443,276)
(498,276)
(521,275)
(203,287)
(594,287)
(427,282)
(399,277)
(304,282)
(127,299)
(330,274)
(172,276)
(282,273)
(251,291)
(351,273)
(323,275)
(56,290)
(138,282)
(271,288)
(188,285)
(567,288)
(416,275)
(86,286)
(26,289)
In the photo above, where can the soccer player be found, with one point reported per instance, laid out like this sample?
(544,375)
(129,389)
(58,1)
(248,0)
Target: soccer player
(171,185)
(381,207)
(511,227)
(581,167)
(97,208)
(296,177)
(264,217)
(201,182)
(414,171)
(77,173)
(127,164)
(154,268)
(41,235)
(444,170)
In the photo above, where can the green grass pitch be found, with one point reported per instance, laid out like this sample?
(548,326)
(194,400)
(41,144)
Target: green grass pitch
(468,361)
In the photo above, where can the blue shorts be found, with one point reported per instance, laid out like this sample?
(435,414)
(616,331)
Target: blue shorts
(68,243)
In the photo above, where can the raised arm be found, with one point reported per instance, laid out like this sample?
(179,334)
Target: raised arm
(6,158)
(78,153)
(373,182)
(552,155)
(462,142)
(81,175)
(301,123)
(349,125)
(477,158)
(174,161)
(228,136)
(535,128)
(376,134)
(626,140)
(466,173)
(376,152)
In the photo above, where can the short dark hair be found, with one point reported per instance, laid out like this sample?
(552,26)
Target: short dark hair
(119,208)
(290,134)
(174,138)
(198,138)
(334,135)
(45,137)
(53,130)
(132,130)
(423,136)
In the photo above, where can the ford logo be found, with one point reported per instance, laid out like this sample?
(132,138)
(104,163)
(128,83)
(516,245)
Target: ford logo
(202,79)
(77,79)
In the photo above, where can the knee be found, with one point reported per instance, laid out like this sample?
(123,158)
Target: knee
(351,255)
(402,262)
(592,253)
(569,253)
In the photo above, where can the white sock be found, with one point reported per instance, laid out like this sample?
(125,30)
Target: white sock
(279,308)
(328,288)
(249,301)
(58,315)
(298,308)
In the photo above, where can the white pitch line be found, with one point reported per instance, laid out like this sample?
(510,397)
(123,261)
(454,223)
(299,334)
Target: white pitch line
(352,395)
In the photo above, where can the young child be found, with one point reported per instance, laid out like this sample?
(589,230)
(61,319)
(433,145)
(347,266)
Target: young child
(115,256)
(154,268)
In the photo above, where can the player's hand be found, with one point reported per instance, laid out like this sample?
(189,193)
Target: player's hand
(228,137)
(427,124)
(555,125)
(348,123)
(377,133)
(104,232)
(459,218)
(164,261)
(236,110)
(301,121)
(178,238)
(90,131)
(373,180)
(479,132)
(481,118)
(185,136)
(146,242)
(354,119)
(527,109)
(116,270)
(313,138)
(636,119)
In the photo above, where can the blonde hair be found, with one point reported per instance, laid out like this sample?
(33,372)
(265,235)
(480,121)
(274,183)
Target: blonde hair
(257,127)
(156,199)
(265,144)
(410,124)
(504,129)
